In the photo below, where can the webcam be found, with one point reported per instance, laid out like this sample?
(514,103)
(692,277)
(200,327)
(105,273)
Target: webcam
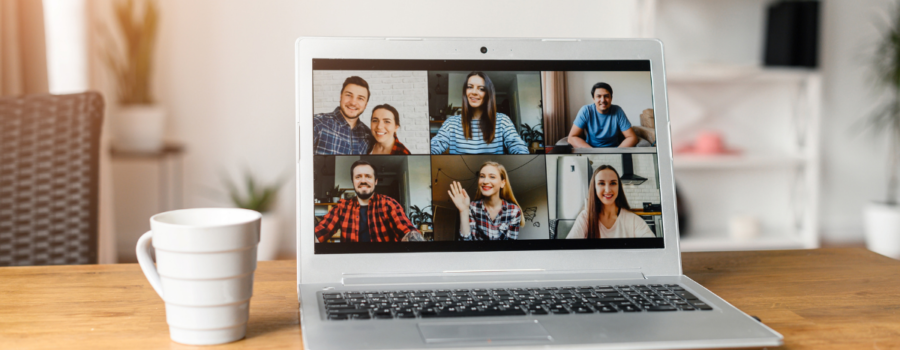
(483,49)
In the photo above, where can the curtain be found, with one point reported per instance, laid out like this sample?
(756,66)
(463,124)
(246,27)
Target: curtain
(23,53)
(108,250)
(555,106)
(23,71)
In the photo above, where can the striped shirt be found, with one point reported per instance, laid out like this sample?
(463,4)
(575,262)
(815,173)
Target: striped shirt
(506,139)
(504,226)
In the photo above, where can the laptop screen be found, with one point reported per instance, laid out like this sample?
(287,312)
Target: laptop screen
(484,155)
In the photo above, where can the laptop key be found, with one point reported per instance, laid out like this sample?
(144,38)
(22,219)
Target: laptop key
(486,313)
(630,308)
(686,295)
(406,315)
(582,310)
(702,306)
(338,317)
(662,308)
(606,309)
(348,312)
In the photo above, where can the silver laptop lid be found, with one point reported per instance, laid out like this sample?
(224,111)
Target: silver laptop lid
(529,188)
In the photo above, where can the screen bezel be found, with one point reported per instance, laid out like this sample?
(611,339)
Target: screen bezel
(322,268)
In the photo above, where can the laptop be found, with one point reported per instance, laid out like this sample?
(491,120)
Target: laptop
(489,193)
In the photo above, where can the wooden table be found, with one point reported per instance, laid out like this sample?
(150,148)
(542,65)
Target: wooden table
(818,299)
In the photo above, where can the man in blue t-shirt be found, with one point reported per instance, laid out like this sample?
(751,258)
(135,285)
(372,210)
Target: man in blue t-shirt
(602,124)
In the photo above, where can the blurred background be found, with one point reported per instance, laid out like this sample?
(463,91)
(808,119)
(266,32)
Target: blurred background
(766,98)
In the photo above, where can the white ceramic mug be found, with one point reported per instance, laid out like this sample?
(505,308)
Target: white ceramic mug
(205,259)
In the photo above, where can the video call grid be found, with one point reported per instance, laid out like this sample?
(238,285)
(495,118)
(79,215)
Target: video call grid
(392,82)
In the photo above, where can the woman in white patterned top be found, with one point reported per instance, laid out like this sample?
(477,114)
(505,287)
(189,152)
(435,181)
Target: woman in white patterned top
(608,214)
(479,129)
(494,214)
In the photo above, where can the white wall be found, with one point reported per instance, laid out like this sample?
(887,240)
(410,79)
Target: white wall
(529,89)
(848,34)
(854,170)
(419,181)
(631,91)
(455,82)
(738,36)
(342,175)
(538,227)
(405,91)
(226,73)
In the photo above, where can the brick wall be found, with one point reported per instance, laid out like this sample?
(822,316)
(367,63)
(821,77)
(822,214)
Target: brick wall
(406,91)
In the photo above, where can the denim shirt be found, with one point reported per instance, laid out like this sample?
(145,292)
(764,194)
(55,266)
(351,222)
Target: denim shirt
(332,135)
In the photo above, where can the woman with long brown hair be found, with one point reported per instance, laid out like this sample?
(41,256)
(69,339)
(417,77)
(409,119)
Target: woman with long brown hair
(384,124)
(479,129)
(495,213)
(608,214)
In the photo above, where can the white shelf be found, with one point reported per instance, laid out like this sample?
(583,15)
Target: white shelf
(735,161)
(709,242)
(717,82)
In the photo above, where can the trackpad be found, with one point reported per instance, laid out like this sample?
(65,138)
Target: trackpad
(484,332)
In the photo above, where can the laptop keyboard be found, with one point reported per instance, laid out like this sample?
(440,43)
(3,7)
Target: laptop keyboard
(509,301)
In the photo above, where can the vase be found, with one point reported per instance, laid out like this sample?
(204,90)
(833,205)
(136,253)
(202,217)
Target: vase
(138,128)
(882,227)
(269,237)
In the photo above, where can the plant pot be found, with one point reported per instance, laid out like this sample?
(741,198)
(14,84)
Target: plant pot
(882,227)
(138,128)
(269,237)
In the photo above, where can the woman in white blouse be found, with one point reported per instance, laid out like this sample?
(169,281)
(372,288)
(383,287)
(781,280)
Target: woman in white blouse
(607,214)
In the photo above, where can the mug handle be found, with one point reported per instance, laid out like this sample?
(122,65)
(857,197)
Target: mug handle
(146,262)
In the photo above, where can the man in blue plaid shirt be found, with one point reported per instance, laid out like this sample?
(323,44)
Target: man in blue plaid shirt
(341,132)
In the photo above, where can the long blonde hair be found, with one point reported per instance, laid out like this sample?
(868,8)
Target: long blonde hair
(506,193)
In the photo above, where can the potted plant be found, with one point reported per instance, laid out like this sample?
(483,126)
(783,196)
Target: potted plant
(451,111)
(533,136)
(420,217)
(261,198)
(882,219)
(138,121)
(334,195)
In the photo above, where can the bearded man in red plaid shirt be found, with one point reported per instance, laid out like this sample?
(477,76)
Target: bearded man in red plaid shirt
(370,217)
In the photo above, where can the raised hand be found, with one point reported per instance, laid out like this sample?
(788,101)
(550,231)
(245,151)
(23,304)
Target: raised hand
(459,197)
(461,200)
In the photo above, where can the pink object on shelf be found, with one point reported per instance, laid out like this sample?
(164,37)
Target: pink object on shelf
(707,143)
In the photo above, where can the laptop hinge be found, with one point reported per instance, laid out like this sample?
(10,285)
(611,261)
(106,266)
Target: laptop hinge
(491,276)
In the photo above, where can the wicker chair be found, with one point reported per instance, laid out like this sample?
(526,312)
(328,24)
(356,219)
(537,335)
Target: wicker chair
(49,177)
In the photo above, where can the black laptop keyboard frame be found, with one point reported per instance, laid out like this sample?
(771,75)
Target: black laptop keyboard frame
(483,302)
